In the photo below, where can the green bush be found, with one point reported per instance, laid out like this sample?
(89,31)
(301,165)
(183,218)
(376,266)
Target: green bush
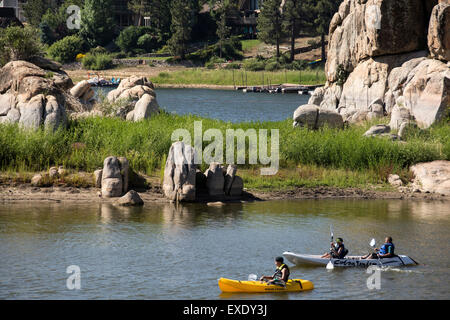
(147,42)
(254,65)
(210,65)
(66,49)
(299,65)
(98,50)
(137,40)
(19,43)
(233,65)
(97,62)
(273,66)
(231,50)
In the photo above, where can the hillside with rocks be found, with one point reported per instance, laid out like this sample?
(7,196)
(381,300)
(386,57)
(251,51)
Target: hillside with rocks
(388,58)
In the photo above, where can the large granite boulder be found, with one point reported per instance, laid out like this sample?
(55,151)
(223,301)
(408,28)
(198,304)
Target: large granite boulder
(368,83)
(139,97)
(378,51)
(34,96)
(145,107)
(180,173)
(83,91)
(114,179)
(215,180)
(314,117)
(132,88)
(363,29)
(433,176)
(439,32)
(377,130)
(427,92)
(131,199)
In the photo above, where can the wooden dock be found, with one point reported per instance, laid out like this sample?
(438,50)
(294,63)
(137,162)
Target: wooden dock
(279,88)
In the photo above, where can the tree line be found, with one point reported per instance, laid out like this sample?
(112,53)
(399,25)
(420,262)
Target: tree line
(176,23)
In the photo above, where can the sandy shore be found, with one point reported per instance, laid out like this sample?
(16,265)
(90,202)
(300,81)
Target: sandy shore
(27,193)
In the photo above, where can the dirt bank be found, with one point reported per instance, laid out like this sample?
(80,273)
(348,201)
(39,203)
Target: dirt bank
(25,192)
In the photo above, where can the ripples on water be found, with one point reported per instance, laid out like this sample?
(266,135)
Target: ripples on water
(229,105)
(169,252)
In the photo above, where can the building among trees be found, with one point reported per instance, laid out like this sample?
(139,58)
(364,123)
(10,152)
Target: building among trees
(16,5)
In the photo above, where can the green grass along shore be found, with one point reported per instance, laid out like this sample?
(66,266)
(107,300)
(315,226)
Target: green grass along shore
(326,157)
(201,76)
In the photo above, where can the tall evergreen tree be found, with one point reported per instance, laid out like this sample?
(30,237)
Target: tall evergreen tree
(324,11)
(270,23)
(298,14)
(223,31)
(182,21)
(34,10)
(140,8)
(97,22)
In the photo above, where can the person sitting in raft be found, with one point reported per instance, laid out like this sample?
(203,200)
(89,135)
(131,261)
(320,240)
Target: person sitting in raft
(281,275)
(338,250)
(386,250)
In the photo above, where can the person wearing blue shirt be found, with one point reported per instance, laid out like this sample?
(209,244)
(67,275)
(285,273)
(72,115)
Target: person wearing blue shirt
(386,250)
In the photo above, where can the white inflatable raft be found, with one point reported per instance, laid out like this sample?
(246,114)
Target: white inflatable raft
(349,261)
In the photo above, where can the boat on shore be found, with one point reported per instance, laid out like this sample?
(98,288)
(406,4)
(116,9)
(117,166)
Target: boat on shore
(349,261)
(234,286)
(101,82)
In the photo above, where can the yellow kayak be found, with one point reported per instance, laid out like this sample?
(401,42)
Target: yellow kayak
(294,285)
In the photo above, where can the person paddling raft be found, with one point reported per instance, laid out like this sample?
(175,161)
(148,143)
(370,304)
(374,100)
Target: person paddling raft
(281,275)
(338,250)
(386,250)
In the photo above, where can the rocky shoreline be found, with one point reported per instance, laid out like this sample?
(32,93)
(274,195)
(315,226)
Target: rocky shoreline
(17,193)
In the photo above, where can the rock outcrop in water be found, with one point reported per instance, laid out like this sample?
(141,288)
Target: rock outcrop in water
(388,56)
(36,94)
(183,182)
(180,173)
(114,177)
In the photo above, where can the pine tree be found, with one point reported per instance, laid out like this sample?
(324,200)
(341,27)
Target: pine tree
(182,21)
(270,23)
(140,8)
(223,31)
(325,10)
(34,10)
(298,14)
(97,22)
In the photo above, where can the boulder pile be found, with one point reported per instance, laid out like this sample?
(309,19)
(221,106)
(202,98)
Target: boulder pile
(140,97)
(379,62)
(184,182)
(35,94)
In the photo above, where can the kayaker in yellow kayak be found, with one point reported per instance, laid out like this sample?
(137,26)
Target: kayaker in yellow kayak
(281,275)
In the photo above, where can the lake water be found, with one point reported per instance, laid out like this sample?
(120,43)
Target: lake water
(162,251)
(229,105)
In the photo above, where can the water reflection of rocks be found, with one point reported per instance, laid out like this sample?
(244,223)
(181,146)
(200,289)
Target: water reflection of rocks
(172,214)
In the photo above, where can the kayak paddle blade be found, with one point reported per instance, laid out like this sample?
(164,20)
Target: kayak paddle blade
(252,277)
(373,243)
(330,265)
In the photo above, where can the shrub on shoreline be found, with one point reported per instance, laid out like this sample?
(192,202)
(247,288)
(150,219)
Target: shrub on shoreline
(19,43)
(66,49)
(97,61)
